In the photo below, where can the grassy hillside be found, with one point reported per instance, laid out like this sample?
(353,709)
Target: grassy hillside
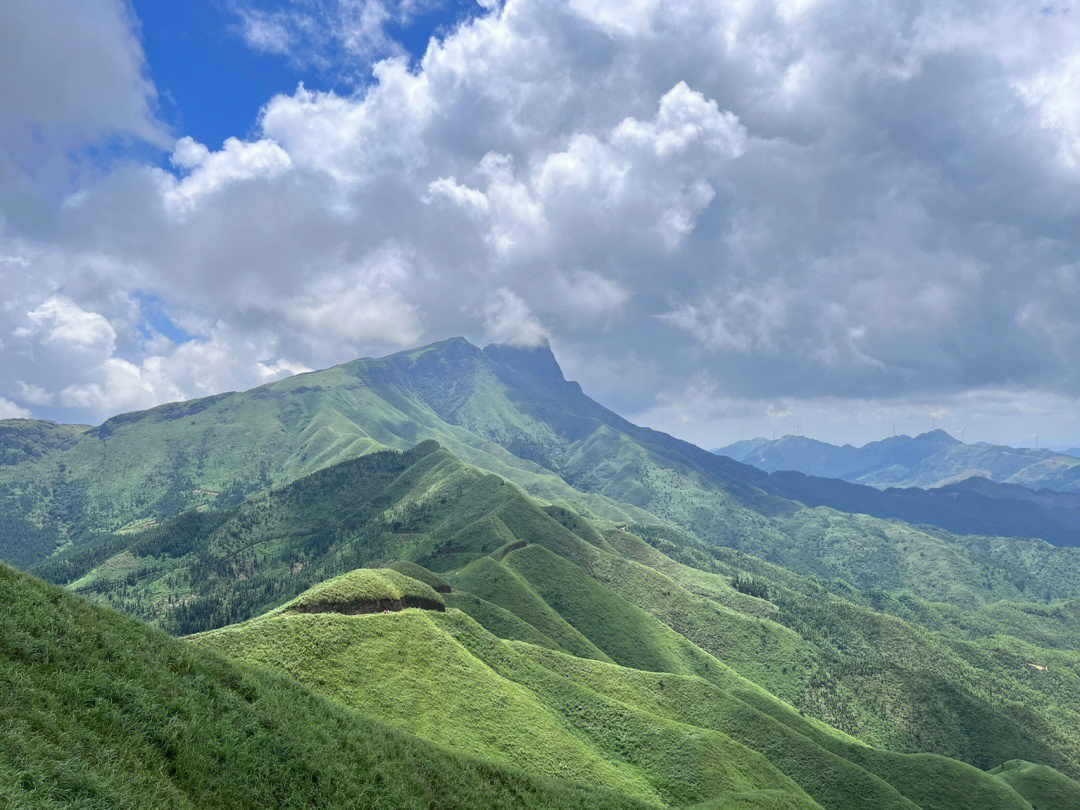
(502,409)
(677,739)
(101,711)
(625,547)
(549,576)
(1044,788)
(207,569)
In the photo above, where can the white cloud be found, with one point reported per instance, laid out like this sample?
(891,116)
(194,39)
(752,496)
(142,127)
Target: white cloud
(268,32)
(786,197)
(508,319)
(208,172)
(744,320)
(75,71)
(589,293)
(365,304)
(685,118)
(65,323)
(9,410)
(515,219)
(1056,94)
(645,178)
(327,34)
(33,394)
(351,139)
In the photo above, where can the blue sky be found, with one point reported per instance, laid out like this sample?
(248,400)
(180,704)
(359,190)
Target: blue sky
(726,218)
(211,84)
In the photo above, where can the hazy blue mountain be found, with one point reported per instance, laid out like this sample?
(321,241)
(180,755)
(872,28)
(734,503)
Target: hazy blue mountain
(928,460)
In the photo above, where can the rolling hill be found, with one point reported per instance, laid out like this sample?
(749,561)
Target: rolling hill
(570,551)
(101,711)
(505,410)
(676,738)
(590,588)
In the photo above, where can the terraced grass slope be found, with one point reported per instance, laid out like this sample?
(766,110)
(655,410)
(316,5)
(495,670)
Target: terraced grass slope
(1044,788)
(101,711)
(706,735)
(550,577)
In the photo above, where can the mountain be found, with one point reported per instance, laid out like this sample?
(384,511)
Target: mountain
(682,737)
(101,711)
(593,589)
(555,523)
(325,702)
(506,410)
(969,506)
(928,460)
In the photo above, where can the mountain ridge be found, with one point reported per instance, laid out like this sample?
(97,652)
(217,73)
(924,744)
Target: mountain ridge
(929,459)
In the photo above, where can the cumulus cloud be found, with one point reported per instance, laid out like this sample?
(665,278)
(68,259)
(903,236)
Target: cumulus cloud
(365,304)
(780,202)
(589,293)
(508,319)
(352,139)
(326,34)
(64,324)
(9,410)
(208,171)
(73,72)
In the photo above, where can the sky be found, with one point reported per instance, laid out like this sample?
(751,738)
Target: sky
(728,219)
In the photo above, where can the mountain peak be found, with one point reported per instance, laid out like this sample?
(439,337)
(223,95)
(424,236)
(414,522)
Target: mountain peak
(938,435)
(537,361)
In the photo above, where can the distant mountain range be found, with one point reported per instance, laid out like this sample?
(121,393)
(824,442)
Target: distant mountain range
(931,459)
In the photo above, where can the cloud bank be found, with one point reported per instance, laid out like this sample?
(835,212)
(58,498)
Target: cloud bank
(725,217)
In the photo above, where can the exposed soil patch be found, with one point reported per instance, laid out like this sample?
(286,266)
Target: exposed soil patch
(372,606)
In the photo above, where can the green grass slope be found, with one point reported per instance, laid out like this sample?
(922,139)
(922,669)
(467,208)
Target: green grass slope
(366,590)
(101,711)
(552,577)
(403,669)
(1044,788)
(214,567)
(678,739)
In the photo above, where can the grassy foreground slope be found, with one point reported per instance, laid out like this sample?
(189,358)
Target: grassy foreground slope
(1044,788)
(101,711)
(551,577)
(677,739)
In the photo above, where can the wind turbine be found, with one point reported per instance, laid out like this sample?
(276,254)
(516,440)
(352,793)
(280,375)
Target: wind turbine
(1035,436)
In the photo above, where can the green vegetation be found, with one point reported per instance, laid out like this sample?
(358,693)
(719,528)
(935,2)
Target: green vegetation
(657,736)
(411,569)
(366,590)
(1044,788)
(669,623)
(101,711)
